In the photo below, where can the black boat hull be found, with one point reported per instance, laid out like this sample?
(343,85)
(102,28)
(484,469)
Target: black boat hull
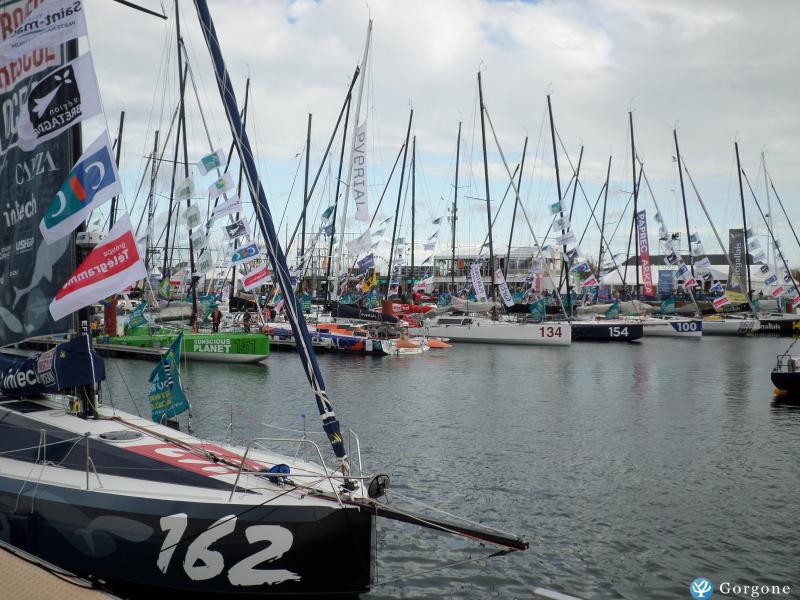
(783,327)
(602,332)
(788,382)
(141,546)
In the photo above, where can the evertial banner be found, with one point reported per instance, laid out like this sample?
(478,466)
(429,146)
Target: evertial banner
(477,282)
(644,254)
(111,267)
(63,98)
(31,272)
(256,278)
(505,293)
(666,283)
(90,183)
(52,23)
(359,170)
(736,289)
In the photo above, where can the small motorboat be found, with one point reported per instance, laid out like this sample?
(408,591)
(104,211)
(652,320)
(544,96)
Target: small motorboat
(786,375)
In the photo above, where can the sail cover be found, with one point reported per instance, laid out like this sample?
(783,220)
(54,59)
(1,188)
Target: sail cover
(31,271)
(65,366)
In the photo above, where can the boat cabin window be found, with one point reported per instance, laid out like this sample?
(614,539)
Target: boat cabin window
(454,321)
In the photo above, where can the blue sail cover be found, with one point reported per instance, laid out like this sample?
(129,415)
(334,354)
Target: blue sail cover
(65,366)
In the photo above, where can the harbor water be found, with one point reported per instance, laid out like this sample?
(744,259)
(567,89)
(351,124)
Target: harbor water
(631,469)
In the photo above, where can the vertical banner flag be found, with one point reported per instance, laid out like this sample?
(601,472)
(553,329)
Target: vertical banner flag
(91,182)
(111,267)
(221,186)
(51,24)
(359,170)
(736,290)
(256,278)
(137,318)
(477,282)
(166,393)
(211,161)
(505,293)
(644,254)
(61,99)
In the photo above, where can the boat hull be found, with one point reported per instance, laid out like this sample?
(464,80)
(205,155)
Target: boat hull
(190,549)
(787,382)
(682,328)
(208,347)
(783,325)
(498,332)
(606,331)
(738,327)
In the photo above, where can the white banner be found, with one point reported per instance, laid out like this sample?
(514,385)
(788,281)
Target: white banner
(477,282)
(198,238)
(359,171)
(233,205)
(61,99)
(223,185)
(193,217)
(361,245)
(91,182)
(51,24)
(505,293)
(211,161)
(204,263)
(566,239)
(112,266)
(185,189)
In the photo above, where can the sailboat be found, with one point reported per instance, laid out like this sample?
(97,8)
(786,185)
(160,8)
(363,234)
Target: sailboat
(147,510)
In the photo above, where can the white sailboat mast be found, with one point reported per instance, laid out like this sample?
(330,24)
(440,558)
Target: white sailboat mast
(356,123)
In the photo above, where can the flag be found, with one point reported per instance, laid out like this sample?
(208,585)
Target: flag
(111,267)
(358,169)
(137,318)
(255,278)
(704,263)
(90,183)
(223,185)
(199,241)
(689,282)
(477,282)
(328,212)
(555,208)
(538,308)
(567,238)
(203,264)
(193,217)
(62,98)
(166,393)
(164,289)
(328,230)
(211,161)
(51,24)
(778,291)
(562,223)
(237,229)
(772,279)
(185,189)
(366,262)
(672,259)
(502,286)
(233,205)
(613,311)
(681,272)
(717,287)
(245,254)
(737,297)
(423,283)
(764,269)
(720,302)
(437,220)
(758,256)
(590,282)
(694,238)
(582,267)
(697,250)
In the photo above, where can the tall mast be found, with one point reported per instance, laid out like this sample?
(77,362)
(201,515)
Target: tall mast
(744,223)
(150,203)
(486,180)
(558,189)
(516,204)
(336,205)
(635,200)
(397,209)
(356,123)
(455,215)
(294,314)
(165,271)
(305,188)
(770,249)
(239,184)
(603,220)
(683,198)
(113,216)
(413,202)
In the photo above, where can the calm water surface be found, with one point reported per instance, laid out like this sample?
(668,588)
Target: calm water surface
(630,468)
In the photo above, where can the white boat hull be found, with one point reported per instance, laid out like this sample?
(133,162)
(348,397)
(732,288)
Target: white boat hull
(682,328)
(485,331)
(731,326)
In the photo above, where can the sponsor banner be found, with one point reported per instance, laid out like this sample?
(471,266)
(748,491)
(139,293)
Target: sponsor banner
(477,282)
(51,24)
(185,189)
(778,291)
(689,283)
(720,302)
(256,278)
(193,217)
(204,263)
(358,168)
(90,183)
(644,254)
(111,267)
(31,271)
(245,254)
(505,293)
(198,239)
(555,208)
(737,253)
(421,286)
(237,229)
(566,239)
(223,185)
(366,263)
(166,393)
(211,161)
(590,282)
(233,205)
(62,98)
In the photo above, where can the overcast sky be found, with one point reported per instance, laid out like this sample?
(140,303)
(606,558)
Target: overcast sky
(718,71)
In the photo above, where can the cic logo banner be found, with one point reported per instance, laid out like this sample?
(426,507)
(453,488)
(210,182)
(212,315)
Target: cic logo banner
(701,589)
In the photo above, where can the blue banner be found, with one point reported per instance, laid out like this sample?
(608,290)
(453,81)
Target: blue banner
(666,283)
(366,263)
(166,393)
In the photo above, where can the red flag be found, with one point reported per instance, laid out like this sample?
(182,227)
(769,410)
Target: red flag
(110,268)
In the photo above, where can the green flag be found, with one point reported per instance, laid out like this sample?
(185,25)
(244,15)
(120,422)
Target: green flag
(166,393)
